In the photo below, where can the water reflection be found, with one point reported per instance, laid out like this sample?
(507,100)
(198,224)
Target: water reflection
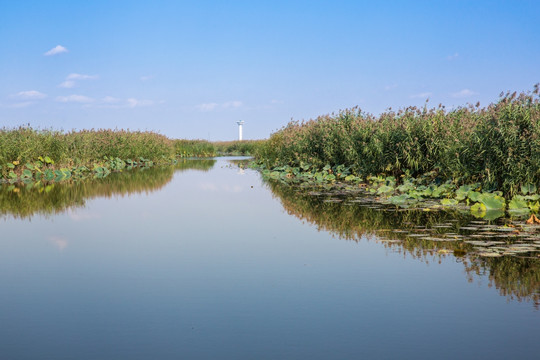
(426,236)
(22,201)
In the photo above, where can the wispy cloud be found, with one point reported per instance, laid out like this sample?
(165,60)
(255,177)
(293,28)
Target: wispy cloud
(58,49)
(117,103)
(111,100)
(390,87)
(235,104)
(75,98)
(70,80)
(207,106)
(463,93)
(421,95)
(18,105)
(132,102)
(75,76)
(452,57)
(232,104)
(68,84)
(29,95)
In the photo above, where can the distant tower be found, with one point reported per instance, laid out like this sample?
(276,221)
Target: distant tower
(240,123)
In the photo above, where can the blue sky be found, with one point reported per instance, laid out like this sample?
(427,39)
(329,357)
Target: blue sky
(191,69)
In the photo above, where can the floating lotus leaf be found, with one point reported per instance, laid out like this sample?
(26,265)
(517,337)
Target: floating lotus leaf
(27,173)
(478,207)
(399,199)
(385,189)
(516,204)
(449,202)
(493,214)
(474,196)
(528,189)
(493,201)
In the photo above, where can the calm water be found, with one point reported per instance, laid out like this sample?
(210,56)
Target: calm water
(206,261)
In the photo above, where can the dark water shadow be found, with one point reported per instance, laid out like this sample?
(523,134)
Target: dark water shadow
(24,201)
(427,236)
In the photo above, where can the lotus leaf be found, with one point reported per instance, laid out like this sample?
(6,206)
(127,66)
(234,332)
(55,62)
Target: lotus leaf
(516,204)
(449,202)
(528,189)
(493,201)
(385,189)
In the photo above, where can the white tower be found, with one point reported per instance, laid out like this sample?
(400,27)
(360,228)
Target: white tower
(240,123)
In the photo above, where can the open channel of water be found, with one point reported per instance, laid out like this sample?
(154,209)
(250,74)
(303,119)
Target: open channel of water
(208,261)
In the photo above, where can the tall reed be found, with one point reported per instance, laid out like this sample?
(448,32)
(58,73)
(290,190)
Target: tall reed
(497,145)
(25,144)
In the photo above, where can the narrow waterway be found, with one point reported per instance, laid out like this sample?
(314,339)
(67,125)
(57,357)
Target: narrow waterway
(207,261)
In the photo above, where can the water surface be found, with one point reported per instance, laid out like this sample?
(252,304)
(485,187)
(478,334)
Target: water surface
(207,261)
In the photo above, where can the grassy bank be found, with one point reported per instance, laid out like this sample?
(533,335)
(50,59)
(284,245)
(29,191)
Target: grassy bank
(497,146)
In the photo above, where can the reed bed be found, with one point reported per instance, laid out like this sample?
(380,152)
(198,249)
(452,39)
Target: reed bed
(497,145)
(244,147)
(26,145)
(194,148)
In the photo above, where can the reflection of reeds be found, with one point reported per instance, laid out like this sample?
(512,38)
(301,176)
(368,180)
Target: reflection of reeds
(58,197)
(498,145)
(516,278)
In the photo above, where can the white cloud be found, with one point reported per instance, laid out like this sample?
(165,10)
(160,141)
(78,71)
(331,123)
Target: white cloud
(75,98)
(18,105)
(390,87)
(75,76)
(30,94)
(452,57)
(421,95)
(232,104)
(68,84)
(131,102)
(111,100)
(463,93)
(207,106)
(226,105)
(58,49)
(116,103)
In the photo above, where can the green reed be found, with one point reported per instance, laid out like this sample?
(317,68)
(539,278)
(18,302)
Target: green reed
(497,145)
(244,147)
(25,144)
(194,148)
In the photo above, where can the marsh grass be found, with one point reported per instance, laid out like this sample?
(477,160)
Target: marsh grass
(235,148)
(194,148)
(497,145)
(26,145)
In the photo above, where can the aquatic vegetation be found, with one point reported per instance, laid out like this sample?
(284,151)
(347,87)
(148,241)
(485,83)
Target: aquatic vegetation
(507,251)
(426,192)
(236,148)
(194,148)
(497,146)
(30,154)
